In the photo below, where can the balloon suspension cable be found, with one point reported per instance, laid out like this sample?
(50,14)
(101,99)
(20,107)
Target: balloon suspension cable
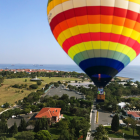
(99,77)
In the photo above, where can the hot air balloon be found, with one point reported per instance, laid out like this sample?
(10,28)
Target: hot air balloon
(101,36)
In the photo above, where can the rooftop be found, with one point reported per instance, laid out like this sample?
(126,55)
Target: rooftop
(133,113)
(48,112)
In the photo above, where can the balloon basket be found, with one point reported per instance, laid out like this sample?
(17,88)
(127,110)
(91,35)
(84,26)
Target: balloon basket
(99,101)
(100,95)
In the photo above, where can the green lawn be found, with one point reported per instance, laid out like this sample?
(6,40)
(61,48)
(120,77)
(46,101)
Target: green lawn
(9,94)
(136,98)
(119,134)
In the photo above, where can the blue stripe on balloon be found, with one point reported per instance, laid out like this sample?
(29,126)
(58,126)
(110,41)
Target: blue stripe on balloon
(101,62)
(101,76)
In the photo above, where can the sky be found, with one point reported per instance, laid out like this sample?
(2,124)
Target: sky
(25,35)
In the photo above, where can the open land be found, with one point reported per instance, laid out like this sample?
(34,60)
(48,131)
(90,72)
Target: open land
(9,94)
(123,78)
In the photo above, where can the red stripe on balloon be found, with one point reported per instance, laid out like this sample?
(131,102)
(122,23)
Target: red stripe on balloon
(101,37)
(93,10)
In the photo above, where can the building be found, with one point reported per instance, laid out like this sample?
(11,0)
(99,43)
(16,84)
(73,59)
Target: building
(122,105)
(35,79)
(52,113)
(133,114)
(84,84)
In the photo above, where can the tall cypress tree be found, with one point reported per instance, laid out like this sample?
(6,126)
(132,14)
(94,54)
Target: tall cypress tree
(38,126)
(13,130)
(44,123)
(22,126)
(115,123)
(3,126)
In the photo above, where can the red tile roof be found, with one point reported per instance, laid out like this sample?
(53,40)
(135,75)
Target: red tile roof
(48,112)
(135,114)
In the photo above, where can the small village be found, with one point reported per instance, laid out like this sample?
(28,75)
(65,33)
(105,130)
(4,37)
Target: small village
(60,102)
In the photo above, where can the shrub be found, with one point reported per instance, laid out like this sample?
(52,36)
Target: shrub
(38,82)
(16,86)
(34,86)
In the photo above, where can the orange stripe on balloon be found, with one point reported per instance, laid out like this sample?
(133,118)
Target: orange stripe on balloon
(95,19)
(106,19)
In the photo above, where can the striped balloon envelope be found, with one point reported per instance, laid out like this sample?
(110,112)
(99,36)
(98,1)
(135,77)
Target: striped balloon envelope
(101,36)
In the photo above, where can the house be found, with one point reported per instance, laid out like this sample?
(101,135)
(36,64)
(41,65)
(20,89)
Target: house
(52,113)
(134,114)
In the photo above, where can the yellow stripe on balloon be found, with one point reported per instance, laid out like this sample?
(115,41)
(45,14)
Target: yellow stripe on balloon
(120,48)
(95,28)
(135,1)
(54,3)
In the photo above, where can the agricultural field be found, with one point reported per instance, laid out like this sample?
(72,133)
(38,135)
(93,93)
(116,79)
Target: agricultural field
(11,95)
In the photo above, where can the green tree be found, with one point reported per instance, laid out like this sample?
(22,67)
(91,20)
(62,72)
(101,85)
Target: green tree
(85,127)
(13,130)
(127,121)
(44,122)
(65,97)
(43,135)
(16,111)
(1,80)
(41,124)
(65,84)
(38,82)
(63,125)
(3,138)
(100,134)
(97,106)
(23,125)
(34,86)
(65,135)
(133,124)
(56,85)
(6,105)
(26,110)
(115,123)
(25,80)
(3,126)
(25,135)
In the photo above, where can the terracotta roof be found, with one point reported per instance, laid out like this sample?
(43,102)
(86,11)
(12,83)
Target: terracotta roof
(48,112)
(135,114)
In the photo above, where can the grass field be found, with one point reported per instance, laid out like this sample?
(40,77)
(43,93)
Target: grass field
(127,133)
(10,95)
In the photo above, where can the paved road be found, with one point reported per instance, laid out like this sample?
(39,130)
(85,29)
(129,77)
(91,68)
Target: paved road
(59,91)
(93,121)
(104,119)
